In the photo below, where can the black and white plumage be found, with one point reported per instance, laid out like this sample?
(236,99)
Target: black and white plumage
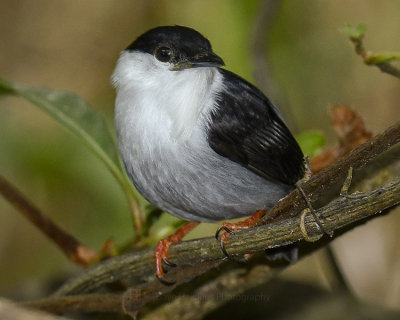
(196,140)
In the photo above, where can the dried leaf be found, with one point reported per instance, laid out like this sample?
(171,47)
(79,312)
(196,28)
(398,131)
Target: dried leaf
(351,132)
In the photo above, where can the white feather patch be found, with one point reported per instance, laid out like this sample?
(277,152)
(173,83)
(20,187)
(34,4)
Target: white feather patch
(177,98)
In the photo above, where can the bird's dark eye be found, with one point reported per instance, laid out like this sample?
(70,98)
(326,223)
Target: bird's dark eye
(164,54)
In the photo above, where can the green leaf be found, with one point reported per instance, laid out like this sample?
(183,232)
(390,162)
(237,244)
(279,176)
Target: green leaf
(311,142)
(354,32)
(83,121)
(76,115)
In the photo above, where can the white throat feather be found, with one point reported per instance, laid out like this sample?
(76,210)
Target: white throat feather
(182,96)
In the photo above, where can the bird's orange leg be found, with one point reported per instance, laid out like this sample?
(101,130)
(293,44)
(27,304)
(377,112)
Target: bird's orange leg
(229,228)
(161,252)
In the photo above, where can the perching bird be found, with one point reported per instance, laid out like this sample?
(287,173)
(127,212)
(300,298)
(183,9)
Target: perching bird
(196,140)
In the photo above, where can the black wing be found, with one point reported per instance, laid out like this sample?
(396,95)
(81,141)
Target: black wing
(248,129)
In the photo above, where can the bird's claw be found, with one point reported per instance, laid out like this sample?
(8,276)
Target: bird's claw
(161,252)
(223,227)
(229,227)
(165,282)
(160,276)
(224,237)
(169,263)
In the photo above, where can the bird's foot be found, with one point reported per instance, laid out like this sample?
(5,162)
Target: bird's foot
(229,229)
(161,252)
(307,176)
(311,209)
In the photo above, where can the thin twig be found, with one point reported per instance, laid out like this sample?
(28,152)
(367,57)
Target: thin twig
(74,250)
(369,57)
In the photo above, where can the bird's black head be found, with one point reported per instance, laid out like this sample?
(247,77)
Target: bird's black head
(183,47)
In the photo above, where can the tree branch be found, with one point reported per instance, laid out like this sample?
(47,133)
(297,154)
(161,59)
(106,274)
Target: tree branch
(197,256)
(74,250)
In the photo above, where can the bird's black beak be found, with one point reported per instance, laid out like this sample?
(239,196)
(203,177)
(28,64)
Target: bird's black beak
(204,59)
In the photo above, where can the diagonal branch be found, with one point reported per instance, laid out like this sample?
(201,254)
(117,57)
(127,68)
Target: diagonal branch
(74,250)
(329,178)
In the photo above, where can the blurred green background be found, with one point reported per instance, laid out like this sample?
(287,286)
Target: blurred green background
(73,46)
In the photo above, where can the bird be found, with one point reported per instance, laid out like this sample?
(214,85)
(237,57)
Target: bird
(197,140)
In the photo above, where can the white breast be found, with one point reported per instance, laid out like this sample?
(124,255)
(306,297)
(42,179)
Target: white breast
(166,102)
